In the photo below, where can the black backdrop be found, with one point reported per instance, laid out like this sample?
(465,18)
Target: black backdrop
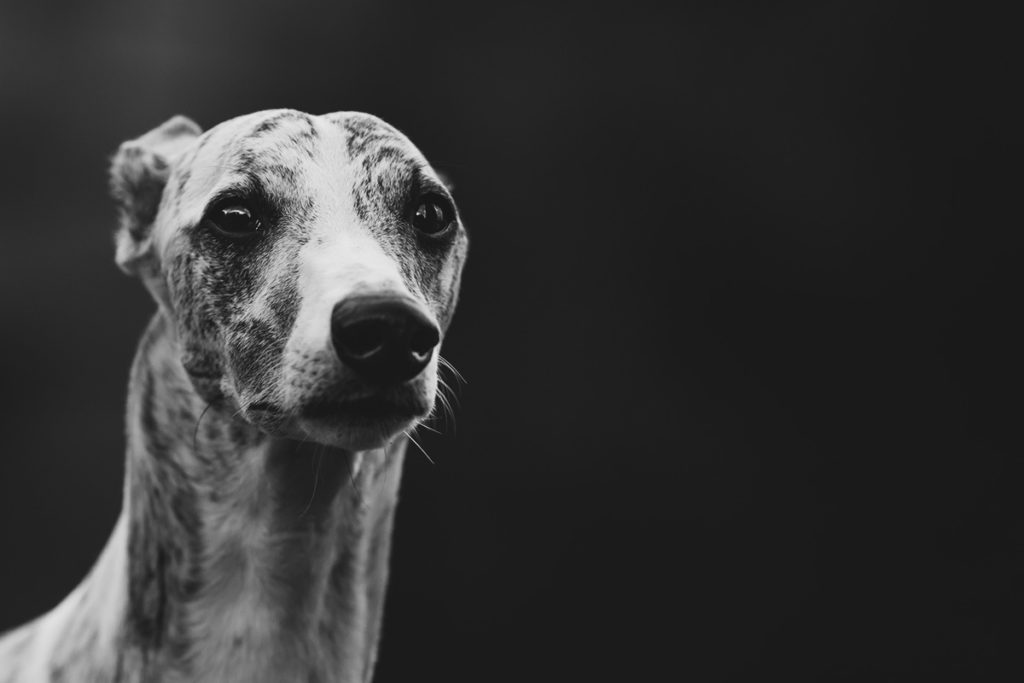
(738,323)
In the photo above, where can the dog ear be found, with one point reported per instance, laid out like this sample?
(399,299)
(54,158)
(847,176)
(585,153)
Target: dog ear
(138,173)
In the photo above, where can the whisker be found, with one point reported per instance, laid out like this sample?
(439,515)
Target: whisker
(415,443)
(199,420)
(447,365)
(318,458)
(448,394)
(435,416)
(447,412)
(424,425)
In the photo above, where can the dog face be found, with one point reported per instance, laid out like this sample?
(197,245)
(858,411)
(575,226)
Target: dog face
(310,266)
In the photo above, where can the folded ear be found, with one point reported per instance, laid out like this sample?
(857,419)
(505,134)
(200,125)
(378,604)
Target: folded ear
(138,174)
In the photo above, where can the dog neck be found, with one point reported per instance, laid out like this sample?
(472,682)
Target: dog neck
(248,557)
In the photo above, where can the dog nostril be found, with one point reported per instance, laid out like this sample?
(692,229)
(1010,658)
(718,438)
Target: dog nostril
(363,338)
(423,341)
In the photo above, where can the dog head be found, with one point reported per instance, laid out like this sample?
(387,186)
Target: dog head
(310,267)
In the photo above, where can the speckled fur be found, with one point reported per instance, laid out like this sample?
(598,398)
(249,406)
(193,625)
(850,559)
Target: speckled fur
(254,538)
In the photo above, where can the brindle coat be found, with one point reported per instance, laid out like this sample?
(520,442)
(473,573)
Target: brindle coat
(254,537)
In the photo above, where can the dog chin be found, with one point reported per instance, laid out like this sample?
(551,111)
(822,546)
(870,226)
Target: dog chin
(354,435)
(362,424)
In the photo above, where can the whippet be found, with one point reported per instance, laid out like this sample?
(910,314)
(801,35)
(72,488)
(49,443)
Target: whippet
(305,269)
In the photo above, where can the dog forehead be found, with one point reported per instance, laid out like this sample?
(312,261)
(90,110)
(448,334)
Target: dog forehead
(290,152)
(263,140)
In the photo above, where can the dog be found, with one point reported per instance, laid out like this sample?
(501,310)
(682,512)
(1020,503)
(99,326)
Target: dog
(305,270)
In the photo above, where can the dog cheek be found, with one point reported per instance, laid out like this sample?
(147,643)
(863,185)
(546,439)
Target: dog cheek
(254,353)
(195,322)
(283,300)
(444,290)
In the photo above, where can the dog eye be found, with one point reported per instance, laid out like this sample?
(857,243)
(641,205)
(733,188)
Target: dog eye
(434,215)
(233,220)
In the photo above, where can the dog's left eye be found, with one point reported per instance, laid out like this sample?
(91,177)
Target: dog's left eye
(433,215)
(233,220)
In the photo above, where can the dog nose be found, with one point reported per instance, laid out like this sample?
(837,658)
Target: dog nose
(384,339)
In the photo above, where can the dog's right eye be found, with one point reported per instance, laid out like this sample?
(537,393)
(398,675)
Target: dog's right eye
(233,220)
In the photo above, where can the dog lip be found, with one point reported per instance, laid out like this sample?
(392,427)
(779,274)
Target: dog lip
(364,407)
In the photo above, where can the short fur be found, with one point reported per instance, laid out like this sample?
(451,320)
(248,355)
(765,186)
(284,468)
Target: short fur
(254,537)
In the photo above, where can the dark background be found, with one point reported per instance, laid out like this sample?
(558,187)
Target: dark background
(739,321)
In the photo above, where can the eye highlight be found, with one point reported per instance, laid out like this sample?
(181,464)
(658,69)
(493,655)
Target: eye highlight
(233,219)
(433,215)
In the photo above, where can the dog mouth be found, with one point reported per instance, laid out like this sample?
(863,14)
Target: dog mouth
(361,409)
(360,422)
(365,408)
(354,419)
